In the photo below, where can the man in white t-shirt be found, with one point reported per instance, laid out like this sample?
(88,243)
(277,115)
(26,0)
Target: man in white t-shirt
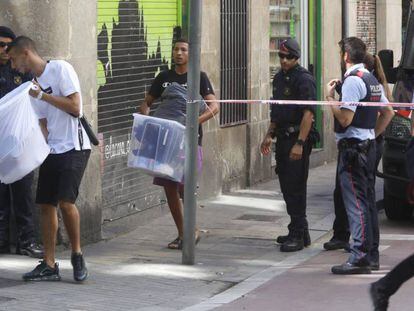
(59,106)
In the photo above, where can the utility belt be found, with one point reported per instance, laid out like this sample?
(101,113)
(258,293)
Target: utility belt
(285,132)
(354,143)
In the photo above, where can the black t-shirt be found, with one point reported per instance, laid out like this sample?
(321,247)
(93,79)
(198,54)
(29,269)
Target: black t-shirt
(165,78)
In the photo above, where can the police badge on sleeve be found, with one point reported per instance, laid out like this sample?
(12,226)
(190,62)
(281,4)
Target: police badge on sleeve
(17,80)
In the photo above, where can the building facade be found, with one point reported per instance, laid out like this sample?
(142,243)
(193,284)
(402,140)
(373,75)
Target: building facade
(117,48)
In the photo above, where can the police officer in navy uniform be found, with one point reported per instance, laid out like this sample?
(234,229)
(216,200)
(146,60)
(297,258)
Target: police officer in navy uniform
(341,234)
(18,194)
(355,129)
(292,125)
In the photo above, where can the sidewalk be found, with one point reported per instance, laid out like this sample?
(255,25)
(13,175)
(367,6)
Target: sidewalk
(311,287)
(137,272)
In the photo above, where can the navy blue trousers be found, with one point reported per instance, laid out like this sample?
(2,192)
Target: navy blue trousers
(356,179)
(18,194)
(341,226)
(293,177)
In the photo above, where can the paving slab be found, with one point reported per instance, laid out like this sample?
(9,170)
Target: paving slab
(136,271)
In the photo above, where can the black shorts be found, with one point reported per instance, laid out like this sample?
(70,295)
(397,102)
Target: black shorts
(60,176)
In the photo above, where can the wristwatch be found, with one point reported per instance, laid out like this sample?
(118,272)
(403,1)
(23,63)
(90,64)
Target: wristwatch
(300,142)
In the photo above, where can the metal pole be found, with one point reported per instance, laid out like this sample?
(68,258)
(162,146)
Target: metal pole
(304,36)
(191,133)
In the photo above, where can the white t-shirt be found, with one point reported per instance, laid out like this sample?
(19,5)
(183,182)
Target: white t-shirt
(60,79)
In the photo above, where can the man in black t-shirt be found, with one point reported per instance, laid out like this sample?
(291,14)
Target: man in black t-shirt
(167,77)
(174,190)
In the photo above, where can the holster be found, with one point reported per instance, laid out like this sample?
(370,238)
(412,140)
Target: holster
(356,144)
(288,131)
(314,136)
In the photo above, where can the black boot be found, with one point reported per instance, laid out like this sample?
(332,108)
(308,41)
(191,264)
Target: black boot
(30,248)
(334,244)
(4,247)
(350,268)
(294,243)
(306,238)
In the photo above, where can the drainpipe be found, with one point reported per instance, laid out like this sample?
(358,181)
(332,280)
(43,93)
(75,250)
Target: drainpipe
(345,18)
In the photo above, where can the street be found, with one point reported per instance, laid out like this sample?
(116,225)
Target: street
(238,266)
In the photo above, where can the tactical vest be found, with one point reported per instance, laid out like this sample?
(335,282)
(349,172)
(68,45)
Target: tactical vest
(285,87)
(365,117)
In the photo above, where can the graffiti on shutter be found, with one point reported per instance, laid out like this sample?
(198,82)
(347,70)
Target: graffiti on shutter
(134,44)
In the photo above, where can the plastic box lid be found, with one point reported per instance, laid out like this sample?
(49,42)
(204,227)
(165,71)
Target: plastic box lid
(157,147)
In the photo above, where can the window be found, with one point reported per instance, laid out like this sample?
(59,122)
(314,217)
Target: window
(233,71)
(285,18)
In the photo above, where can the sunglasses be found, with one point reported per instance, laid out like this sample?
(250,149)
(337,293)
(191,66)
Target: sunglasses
(287,56)
(3,44)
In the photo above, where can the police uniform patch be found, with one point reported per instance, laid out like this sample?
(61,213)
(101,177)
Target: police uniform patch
(17,80)
(287,92)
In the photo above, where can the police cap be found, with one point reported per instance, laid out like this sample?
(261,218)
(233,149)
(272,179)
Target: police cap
(290,46)
(6,32)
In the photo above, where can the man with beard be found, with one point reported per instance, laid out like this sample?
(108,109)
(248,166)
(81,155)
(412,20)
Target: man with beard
(355,129)
(293,127)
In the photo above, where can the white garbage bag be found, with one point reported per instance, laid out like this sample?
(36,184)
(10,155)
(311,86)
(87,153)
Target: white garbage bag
(22,144)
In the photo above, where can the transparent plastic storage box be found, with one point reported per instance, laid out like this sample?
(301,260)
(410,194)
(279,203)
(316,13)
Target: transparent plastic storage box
(157,147)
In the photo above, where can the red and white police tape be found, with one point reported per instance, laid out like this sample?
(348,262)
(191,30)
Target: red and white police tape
(308,102)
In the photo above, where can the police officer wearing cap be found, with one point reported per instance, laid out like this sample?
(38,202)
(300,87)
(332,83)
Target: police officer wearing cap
(18,194)
(293,126)
(355,130)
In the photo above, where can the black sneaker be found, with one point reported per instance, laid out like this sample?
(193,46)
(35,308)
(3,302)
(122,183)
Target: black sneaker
(80,273)
(31,249)
(43,273)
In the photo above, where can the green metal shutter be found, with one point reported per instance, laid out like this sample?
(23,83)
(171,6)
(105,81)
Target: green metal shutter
(134,43)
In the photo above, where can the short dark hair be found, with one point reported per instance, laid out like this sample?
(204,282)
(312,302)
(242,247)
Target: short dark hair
(21,43)
(181,40)
(355,47)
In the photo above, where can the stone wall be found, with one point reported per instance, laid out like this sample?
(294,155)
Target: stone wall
(66,29)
